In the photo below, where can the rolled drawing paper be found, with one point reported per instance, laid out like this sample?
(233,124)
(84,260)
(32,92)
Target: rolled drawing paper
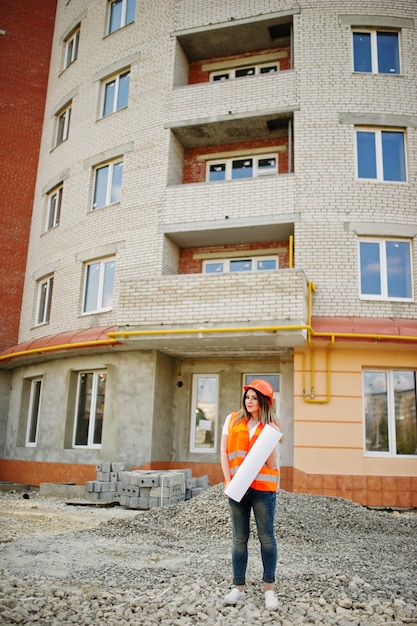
(253,462)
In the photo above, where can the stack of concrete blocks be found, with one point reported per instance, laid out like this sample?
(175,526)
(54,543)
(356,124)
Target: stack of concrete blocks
(105,487)
(143,489)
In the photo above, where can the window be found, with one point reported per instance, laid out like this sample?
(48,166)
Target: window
(246,264)
(98,286)
(377,52)
(241,72)
(33,413)
(122,12)
(63,124)
(385,269)
(116,93)
(244,167)
(54,207)
(45,289)
(89,412)
(71,47)
(204,409)
(107,184)
(381,155)
(390,420)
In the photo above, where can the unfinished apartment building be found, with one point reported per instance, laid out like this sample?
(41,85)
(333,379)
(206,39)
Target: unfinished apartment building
(225,191)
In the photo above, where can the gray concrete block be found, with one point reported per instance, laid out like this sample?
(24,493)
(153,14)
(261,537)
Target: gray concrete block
(62,490)
(92,497)
(120,466)
(149,480)
(106,495)
(113,477)
(203,481)
(106,467)
(103,477)
(196,492)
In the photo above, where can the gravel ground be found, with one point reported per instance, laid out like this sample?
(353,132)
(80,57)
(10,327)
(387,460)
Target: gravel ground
(339,563)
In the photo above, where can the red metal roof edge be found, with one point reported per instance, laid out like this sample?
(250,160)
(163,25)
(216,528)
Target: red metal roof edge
(380,326)
(84,335)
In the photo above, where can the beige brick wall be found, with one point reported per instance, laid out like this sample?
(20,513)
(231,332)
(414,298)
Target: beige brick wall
(323,192)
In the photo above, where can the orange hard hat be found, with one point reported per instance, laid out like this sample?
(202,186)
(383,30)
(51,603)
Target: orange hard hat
(264,387)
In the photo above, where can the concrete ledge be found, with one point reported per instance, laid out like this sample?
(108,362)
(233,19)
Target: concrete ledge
(62,490)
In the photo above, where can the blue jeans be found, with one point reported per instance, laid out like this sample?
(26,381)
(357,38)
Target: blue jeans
(263,505)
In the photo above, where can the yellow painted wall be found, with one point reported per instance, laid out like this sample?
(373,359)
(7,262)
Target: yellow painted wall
(328,437)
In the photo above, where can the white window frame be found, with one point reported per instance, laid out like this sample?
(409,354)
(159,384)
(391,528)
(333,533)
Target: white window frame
(228,163)
(379,153)
(257,71)
(383,270)
(92,415)
(227,263)
(71,47)
(122,17)
(116,80)
(35,399)
(110,183)
(102,264)
(54,207)
(373,32)
(43,309)
(62,125)
(212,421)
(391,417)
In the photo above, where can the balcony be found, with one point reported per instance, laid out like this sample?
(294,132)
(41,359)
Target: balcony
(238,211)
(270,93)
(197,314)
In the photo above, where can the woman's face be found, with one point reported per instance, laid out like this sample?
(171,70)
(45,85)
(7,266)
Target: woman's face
(251,402)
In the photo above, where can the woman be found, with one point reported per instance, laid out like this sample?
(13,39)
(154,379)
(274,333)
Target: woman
(239,433)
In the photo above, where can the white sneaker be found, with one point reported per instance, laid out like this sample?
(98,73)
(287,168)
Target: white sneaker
(271,601)
(234,596)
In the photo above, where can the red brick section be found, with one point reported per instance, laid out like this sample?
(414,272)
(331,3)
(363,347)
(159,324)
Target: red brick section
(24,64)
(197,75)
(35,472)
(189,265)
(380,491)
(195,170)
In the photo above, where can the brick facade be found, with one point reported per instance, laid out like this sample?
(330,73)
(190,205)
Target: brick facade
(25,47)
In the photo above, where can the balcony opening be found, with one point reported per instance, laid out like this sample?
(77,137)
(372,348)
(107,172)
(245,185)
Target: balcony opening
(230,48)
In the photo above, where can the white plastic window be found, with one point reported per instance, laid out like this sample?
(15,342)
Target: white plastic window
(33,412)
(242,167)
(63,125)
(99,285)
(244,264)
(89,412)
(385,269)
(242,72)
(204,412)
(390,414)
(116,93)
(71,48)
(54,208)
(107,184)
(45,289)
(381,155)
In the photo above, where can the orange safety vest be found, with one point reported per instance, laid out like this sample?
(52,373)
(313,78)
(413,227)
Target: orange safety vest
(238,445)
